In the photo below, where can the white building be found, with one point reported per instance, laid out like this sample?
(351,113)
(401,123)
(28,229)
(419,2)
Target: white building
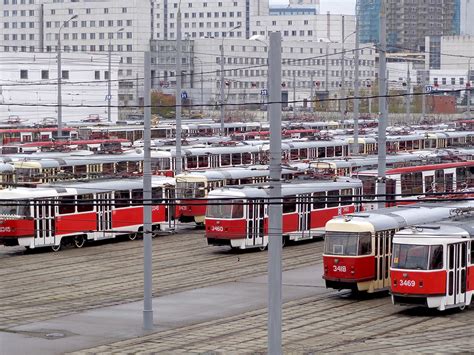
(28,86)
(296,7)
(35,26)
(467,13)
(305,69)
(206,18)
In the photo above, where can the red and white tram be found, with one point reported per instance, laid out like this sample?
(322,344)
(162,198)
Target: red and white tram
(358,247)
(433,264)
(412,182)
(192,188)
(238,216)
(51,215)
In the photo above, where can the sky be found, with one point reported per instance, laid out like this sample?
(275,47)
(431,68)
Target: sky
(334,6)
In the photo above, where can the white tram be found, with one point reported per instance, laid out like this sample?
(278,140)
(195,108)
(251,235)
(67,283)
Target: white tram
(238,217)
(50,216)
(192,188)
(358,247)
(433,264)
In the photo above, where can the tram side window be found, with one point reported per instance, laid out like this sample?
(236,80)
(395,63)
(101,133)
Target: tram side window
(429,184)
(289,204)
(85,203)
(66,205)
(157,195)
(461,178)
(412,183)
(137,197)
(368,186)
(236,159)
(436,257)
(246,158)
(321,152)
(333,198)
(225,159)
(439,180)
(319,200)
(346,197)
(122,199)
(238,209)
(81,171)
(472,252)
(192,162)
(203,161)
(108,168)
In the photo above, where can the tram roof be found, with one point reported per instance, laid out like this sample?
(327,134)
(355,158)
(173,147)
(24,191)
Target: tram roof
(291,188)
(231,173)
(454,227)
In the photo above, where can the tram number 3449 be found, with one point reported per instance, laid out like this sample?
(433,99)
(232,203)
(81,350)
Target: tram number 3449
(408,283)
(339,268)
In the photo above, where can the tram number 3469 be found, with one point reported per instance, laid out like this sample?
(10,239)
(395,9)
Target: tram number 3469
(340,268)
(408,283)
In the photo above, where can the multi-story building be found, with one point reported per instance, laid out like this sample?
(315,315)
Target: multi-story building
(28,86)
(308,68)
(206,18)
(409,21)
(296,7)
(466,15)
(37,26)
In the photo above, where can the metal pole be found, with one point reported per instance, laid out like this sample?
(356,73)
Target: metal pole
(468,86)
(355,147)
(275,209)
(423,97)
(202,89)
(294,94)
(408,103)
(382,138)
(312,92)
(222,89)
(147,226)
(179,161)
(109,85)
(60,99)
(327,76)
(343,94)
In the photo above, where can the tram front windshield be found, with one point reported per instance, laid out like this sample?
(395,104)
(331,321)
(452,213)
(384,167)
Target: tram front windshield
(187,189)
(417,257)
(347,243)
(225,209)
(10,208)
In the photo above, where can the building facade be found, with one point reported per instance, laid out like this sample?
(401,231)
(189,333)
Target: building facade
(409,21)
(28,86)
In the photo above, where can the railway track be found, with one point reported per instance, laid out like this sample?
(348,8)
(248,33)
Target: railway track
(44,285)
(327,323)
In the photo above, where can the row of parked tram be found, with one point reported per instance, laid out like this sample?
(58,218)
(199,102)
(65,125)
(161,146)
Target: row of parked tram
(422,253)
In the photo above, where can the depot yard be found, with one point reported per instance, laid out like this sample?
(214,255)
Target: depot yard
(39,287)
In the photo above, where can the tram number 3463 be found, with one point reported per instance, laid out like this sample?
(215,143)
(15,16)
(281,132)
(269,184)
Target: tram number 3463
(408,283)
(341,268)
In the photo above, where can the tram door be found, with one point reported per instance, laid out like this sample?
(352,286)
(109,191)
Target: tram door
(457,273)
(383,251)
(303,204)
(255,224)
(104,203)
(44,212)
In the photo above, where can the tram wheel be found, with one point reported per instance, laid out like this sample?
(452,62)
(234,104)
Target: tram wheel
(462,308)
(133,236)
(57,248)
(79,241)
(263,248)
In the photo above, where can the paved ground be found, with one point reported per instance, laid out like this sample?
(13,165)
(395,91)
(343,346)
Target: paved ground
(209,300)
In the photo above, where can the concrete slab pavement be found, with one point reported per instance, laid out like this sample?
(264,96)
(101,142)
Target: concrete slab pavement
(111,324)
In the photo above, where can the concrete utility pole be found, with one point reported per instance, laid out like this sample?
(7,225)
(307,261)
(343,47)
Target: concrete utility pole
(147,220)
(407,99)
(60,74)
(355,147)
(312,92)
(109,80)
(468,87)
(327,76)
(423,96)
(275,209)
(294,94)
(343,78)
(179,160)
(382,128)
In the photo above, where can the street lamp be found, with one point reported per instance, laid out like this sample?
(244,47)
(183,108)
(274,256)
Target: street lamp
(222,79)
(60,103)
(109,79)
(202,82)
(343,79)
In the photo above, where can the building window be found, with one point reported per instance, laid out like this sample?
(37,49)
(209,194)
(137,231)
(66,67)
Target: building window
(97,75)
(45,74)
(65,74)
(23,74)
